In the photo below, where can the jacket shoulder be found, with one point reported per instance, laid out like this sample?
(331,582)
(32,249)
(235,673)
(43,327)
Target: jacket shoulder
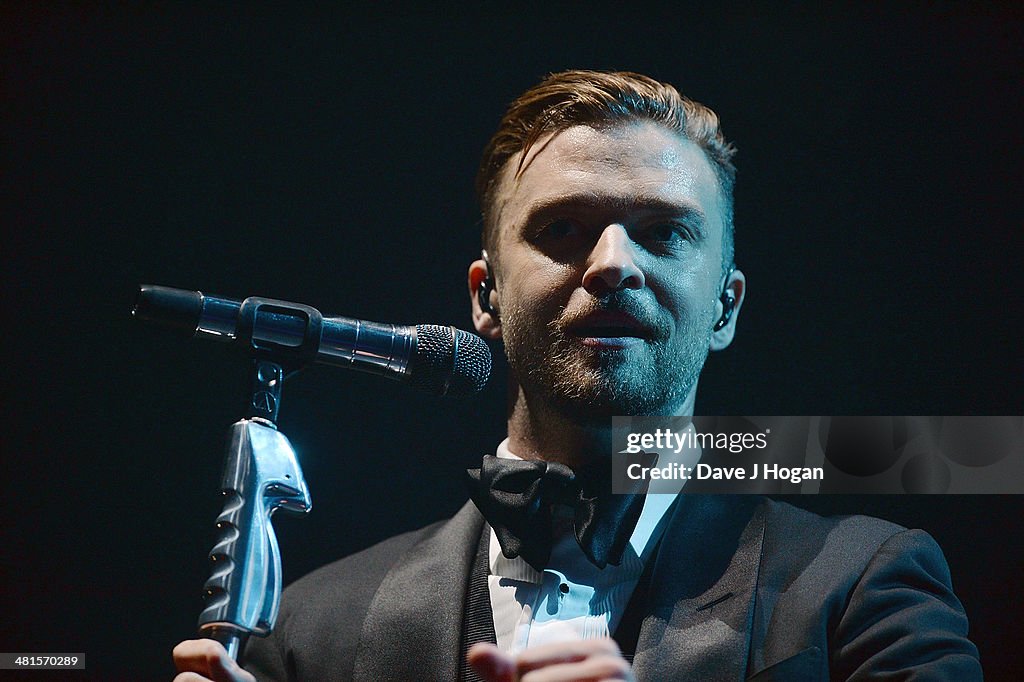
(853,536)
(322,613)
(355,574)
(814,562)
(872,594)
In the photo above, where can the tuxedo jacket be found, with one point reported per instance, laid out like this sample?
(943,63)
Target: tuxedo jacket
(742,588)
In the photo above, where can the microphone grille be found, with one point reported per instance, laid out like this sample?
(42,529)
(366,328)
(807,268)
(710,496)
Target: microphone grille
(449,361)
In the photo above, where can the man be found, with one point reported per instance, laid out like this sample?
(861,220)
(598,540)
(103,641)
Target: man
(608,274)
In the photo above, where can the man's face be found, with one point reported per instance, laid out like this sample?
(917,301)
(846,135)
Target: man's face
(608,269)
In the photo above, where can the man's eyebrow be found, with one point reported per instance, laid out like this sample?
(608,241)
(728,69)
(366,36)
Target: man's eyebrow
(618,203)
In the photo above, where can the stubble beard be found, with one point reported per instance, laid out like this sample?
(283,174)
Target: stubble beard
(557,372)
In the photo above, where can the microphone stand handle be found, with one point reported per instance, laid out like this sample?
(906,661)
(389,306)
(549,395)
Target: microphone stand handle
(261,475)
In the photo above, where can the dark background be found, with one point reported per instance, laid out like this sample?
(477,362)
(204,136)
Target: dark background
(327,157)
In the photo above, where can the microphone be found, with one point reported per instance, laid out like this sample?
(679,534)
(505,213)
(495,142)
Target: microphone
(441,360)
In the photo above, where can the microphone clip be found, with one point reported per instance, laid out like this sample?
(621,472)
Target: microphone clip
(273,359)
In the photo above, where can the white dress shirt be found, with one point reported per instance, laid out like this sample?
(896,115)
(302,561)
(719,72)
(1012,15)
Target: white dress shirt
(571,598)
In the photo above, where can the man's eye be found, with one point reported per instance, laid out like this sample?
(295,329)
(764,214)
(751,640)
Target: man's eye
(666,232)
(561,229)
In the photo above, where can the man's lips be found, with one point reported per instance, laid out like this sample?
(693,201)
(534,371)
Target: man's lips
(609,327)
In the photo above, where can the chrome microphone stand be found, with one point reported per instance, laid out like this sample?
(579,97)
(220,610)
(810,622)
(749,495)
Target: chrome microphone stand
(261,471)
(261,475)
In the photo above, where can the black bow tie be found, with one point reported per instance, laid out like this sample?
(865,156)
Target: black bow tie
(515,496)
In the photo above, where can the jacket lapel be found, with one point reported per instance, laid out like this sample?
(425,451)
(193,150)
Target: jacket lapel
(700,602)
(414,623)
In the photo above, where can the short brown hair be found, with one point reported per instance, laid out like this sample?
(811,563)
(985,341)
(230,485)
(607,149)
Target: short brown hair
(570,98)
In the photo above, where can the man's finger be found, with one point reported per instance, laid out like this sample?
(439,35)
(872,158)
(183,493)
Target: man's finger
(491,663)
(207,657)
(598,668)
(565,652)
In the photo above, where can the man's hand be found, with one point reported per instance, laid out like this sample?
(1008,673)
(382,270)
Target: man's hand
(203,660)
(588,660)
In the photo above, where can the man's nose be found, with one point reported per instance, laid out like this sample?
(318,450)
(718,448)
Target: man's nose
(612,264)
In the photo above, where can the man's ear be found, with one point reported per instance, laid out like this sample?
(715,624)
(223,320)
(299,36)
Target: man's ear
(736,285)
(487,323)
